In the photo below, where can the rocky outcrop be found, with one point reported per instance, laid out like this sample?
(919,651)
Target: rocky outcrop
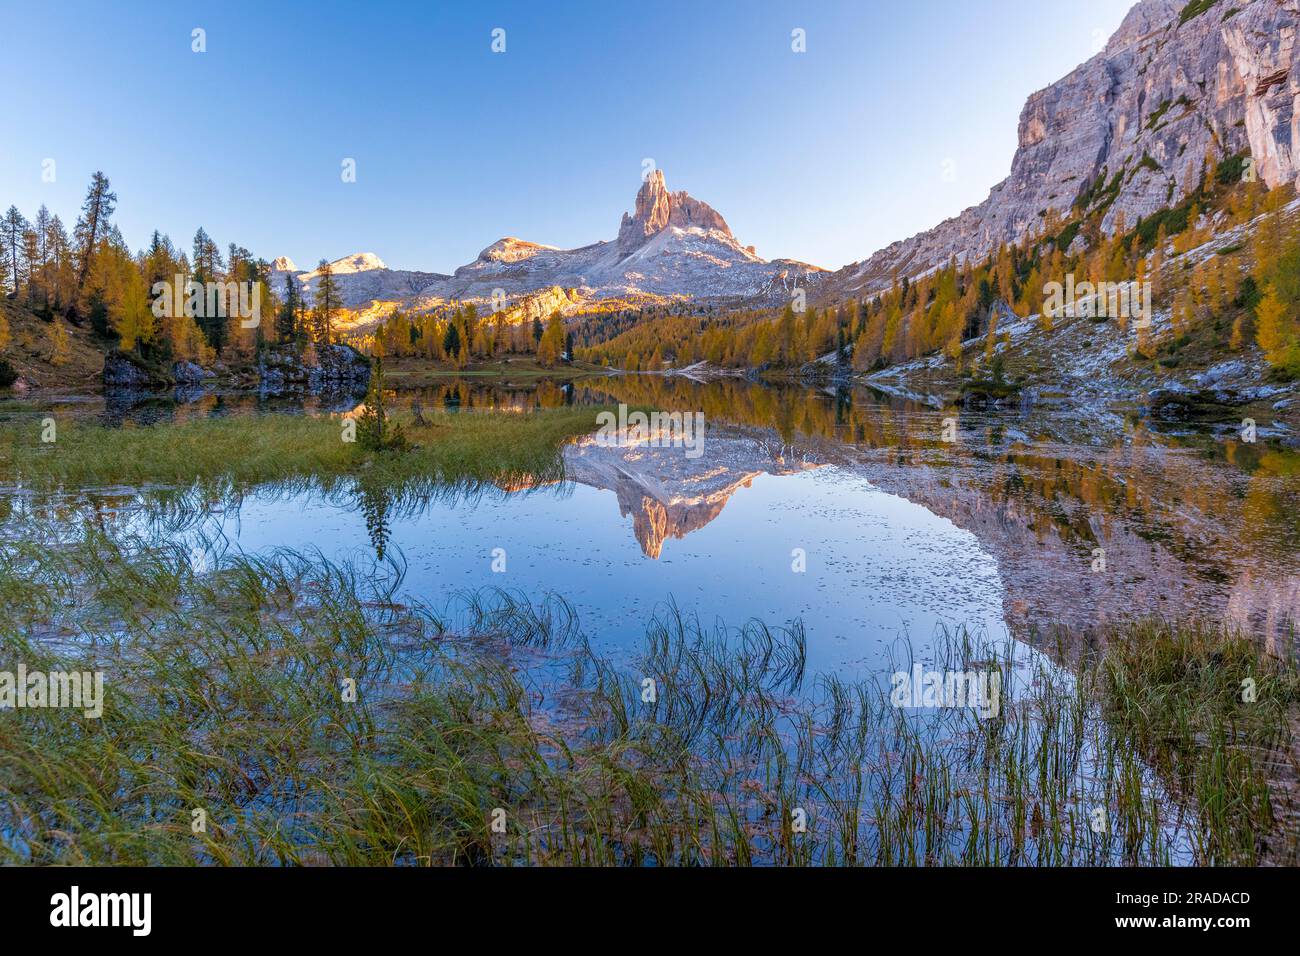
(189,374)
(126,371)
(1217,394)
(334,368)
(1130,130)
(650,214)
(122,373)
(511,249)
(1201,405)
(540,305)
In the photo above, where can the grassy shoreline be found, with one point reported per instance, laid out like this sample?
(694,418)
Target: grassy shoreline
(252,449)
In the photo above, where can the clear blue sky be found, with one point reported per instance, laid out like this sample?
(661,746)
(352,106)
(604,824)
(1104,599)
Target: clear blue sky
(824,156)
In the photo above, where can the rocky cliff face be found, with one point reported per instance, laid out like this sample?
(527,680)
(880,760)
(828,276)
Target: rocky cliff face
(1263,47)
(1141,117)
(657,209)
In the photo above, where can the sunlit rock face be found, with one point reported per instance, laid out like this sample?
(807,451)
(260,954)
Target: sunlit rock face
(657,209)
(1144,114)
(667,492)
(1262,46)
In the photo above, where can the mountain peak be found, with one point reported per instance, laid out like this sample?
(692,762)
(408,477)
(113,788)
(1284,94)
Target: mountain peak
(358,262)
(656,209)
(511,249)
(283,264)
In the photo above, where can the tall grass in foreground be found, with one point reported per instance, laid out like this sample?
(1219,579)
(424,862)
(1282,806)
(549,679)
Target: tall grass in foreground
(489,732)
(1215,717)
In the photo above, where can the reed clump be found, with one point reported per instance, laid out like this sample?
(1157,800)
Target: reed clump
(1214,714)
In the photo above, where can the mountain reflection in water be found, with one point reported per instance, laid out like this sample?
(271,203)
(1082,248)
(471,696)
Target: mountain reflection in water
(1188,523)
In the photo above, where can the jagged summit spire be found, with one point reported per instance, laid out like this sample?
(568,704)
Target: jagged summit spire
(656,209)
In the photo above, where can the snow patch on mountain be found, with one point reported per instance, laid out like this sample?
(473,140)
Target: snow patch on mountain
(360,262)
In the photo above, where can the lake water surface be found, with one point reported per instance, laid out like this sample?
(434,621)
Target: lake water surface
(843,508)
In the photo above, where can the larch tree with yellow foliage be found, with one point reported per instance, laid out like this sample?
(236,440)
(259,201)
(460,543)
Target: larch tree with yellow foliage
(1277,333)
(133,320)
(551,346)
(1277,328)
(60,347)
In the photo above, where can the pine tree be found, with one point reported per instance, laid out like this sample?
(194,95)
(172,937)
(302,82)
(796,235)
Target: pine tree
(1276,333)
(286,320)
(90,231)
(451,341)
(501,332)
(31,262)
(12,227)
(59,263)
(862,357)
(785,335)
(42,226)
(97,311)
(375,432)
(207,267)
(1277,315)
(1238,337)
(328,302)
